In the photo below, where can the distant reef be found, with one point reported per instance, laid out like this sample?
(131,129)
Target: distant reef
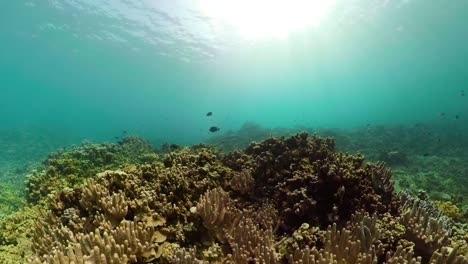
(289,199)
(426,158)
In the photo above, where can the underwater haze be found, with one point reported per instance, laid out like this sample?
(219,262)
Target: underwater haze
(154,68)
(234,131)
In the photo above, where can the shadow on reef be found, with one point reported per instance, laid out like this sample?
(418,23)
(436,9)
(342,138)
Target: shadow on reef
(282,200)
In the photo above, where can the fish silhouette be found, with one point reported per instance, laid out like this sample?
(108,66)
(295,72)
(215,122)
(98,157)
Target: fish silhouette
(214,129)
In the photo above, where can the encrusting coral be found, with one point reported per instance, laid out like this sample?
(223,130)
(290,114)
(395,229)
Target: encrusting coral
(293,200)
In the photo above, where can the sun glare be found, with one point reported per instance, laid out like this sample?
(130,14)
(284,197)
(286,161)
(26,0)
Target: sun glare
(267,18)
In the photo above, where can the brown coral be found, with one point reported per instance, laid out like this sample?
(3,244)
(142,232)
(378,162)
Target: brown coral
(425,226)
(129,242)
(189,208)
(217,213)
(308,181)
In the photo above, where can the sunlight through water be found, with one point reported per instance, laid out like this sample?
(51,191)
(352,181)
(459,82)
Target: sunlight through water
(257,19)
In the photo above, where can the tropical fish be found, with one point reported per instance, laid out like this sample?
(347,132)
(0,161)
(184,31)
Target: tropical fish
(209,114)
(214,129)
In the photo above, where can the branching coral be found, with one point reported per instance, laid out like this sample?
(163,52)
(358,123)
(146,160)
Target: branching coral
(308,181)
(243,182)
(251,244)
(183,256)
(115,207)
(68,168)
(92,194)
(343,247)
(282,200)
(447,255)
(426,227)
(402,256)
(129,242)
(217,212)
(382,179)
(151,197)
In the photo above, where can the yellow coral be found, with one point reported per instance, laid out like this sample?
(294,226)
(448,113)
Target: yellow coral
(449,209)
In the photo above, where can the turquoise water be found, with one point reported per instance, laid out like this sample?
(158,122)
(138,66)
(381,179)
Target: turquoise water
(386,78)
(155,68)
(379,76)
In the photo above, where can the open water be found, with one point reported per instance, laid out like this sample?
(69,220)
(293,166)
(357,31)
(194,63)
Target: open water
(377,71)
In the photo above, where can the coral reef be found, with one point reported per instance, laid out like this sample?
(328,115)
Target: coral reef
(10,198)
(67,168)
(422,156)
(449,209)
(282,200)
(15,234)
(308,181)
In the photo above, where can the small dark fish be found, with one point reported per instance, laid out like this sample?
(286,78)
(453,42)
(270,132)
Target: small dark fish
(209,114)
(441,114)
(457,116)
(426,154)
(462,92)
(214,129)
(124,132)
